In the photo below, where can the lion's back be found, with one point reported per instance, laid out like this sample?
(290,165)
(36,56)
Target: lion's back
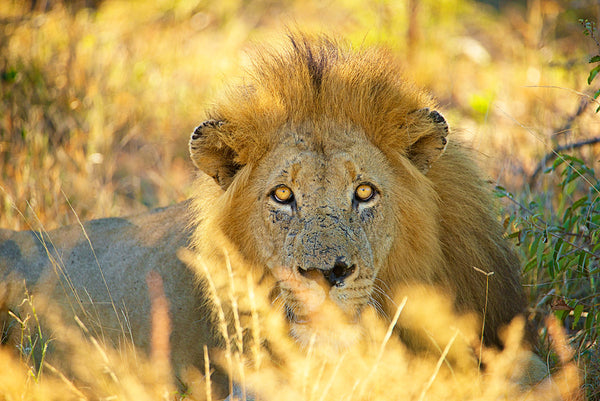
(98,271)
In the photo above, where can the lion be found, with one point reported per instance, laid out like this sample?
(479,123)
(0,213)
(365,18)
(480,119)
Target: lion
(345,174)
(326,175)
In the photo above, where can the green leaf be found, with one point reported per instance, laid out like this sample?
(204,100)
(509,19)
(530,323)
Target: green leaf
(516,234)
(589,321)
(582,262)
(539,254)
(551,270)
(593,74)
(558,161)
(557,253)
(561,314)
(571,185)
(573,159)
(530,265)
(567,215)
(579,202)
(501,192)
(534,245)
(595,59)
(9,75)
(577,315)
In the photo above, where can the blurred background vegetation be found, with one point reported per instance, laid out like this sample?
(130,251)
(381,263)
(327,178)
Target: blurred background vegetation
(98,98)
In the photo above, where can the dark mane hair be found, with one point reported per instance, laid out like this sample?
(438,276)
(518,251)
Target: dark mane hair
(318,79)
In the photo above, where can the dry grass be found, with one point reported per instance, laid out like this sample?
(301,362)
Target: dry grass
(95,111)
(102,103)
(379,367)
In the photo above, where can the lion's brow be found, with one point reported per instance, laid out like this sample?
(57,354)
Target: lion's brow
(351,168)
(294,170)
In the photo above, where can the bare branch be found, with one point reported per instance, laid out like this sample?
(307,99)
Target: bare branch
(549,157)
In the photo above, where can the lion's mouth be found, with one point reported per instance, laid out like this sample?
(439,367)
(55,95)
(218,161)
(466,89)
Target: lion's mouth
(311,302)
(328,313)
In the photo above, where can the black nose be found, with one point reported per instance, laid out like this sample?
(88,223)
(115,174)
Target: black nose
(339,273)
(334,276)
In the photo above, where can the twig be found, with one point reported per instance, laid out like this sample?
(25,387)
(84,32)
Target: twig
(487,289)
(549,157)
(583,105)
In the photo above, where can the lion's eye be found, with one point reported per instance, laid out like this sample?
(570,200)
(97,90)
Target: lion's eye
(364,192)
(283,194)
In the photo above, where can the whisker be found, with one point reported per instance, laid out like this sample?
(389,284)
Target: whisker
(378,308)
(383,289)
(384,296)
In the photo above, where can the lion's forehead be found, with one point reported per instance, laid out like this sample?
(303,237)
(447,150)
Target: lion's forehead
(327,169)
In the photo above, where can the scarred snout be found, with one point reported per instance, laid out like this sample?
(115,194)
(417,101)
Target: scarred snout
(326,250)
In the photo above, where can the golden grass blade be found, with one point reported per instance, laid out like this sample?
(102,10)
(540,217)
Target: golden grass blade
(438,366)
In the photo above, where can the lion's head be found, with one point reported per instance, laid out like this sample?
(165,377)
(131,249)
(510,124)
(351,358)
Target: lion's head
(331,173)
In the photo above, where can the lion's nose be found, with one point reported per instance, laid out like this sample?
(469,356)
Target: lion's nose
(339,273)
(334,276)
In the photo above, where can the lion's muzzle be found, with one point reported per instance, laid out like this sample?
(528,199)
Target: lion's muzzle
(335,276)
(327,248)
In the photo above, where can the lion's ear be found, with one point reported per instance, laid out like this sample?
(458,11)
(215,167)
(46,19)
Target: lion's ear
(211,155)
(430,142)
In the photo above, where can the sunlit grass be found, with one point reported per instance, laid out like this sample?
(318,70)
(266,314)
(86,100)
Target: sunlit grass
(263,362)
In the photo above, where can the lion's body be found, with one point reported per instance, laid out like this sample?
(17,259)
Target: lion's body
(319,123)
(62,267)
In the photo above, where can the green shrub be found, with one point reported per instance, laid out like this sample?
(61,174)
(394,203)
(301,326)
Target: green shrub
(557,232)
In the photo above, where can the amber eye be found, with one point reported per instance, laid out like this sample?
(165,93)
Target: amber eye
(283,194)
(364,192)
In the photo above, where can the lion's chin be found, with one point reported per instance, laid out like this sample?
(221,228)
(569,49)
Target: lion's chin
(326,328)
(328,339)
